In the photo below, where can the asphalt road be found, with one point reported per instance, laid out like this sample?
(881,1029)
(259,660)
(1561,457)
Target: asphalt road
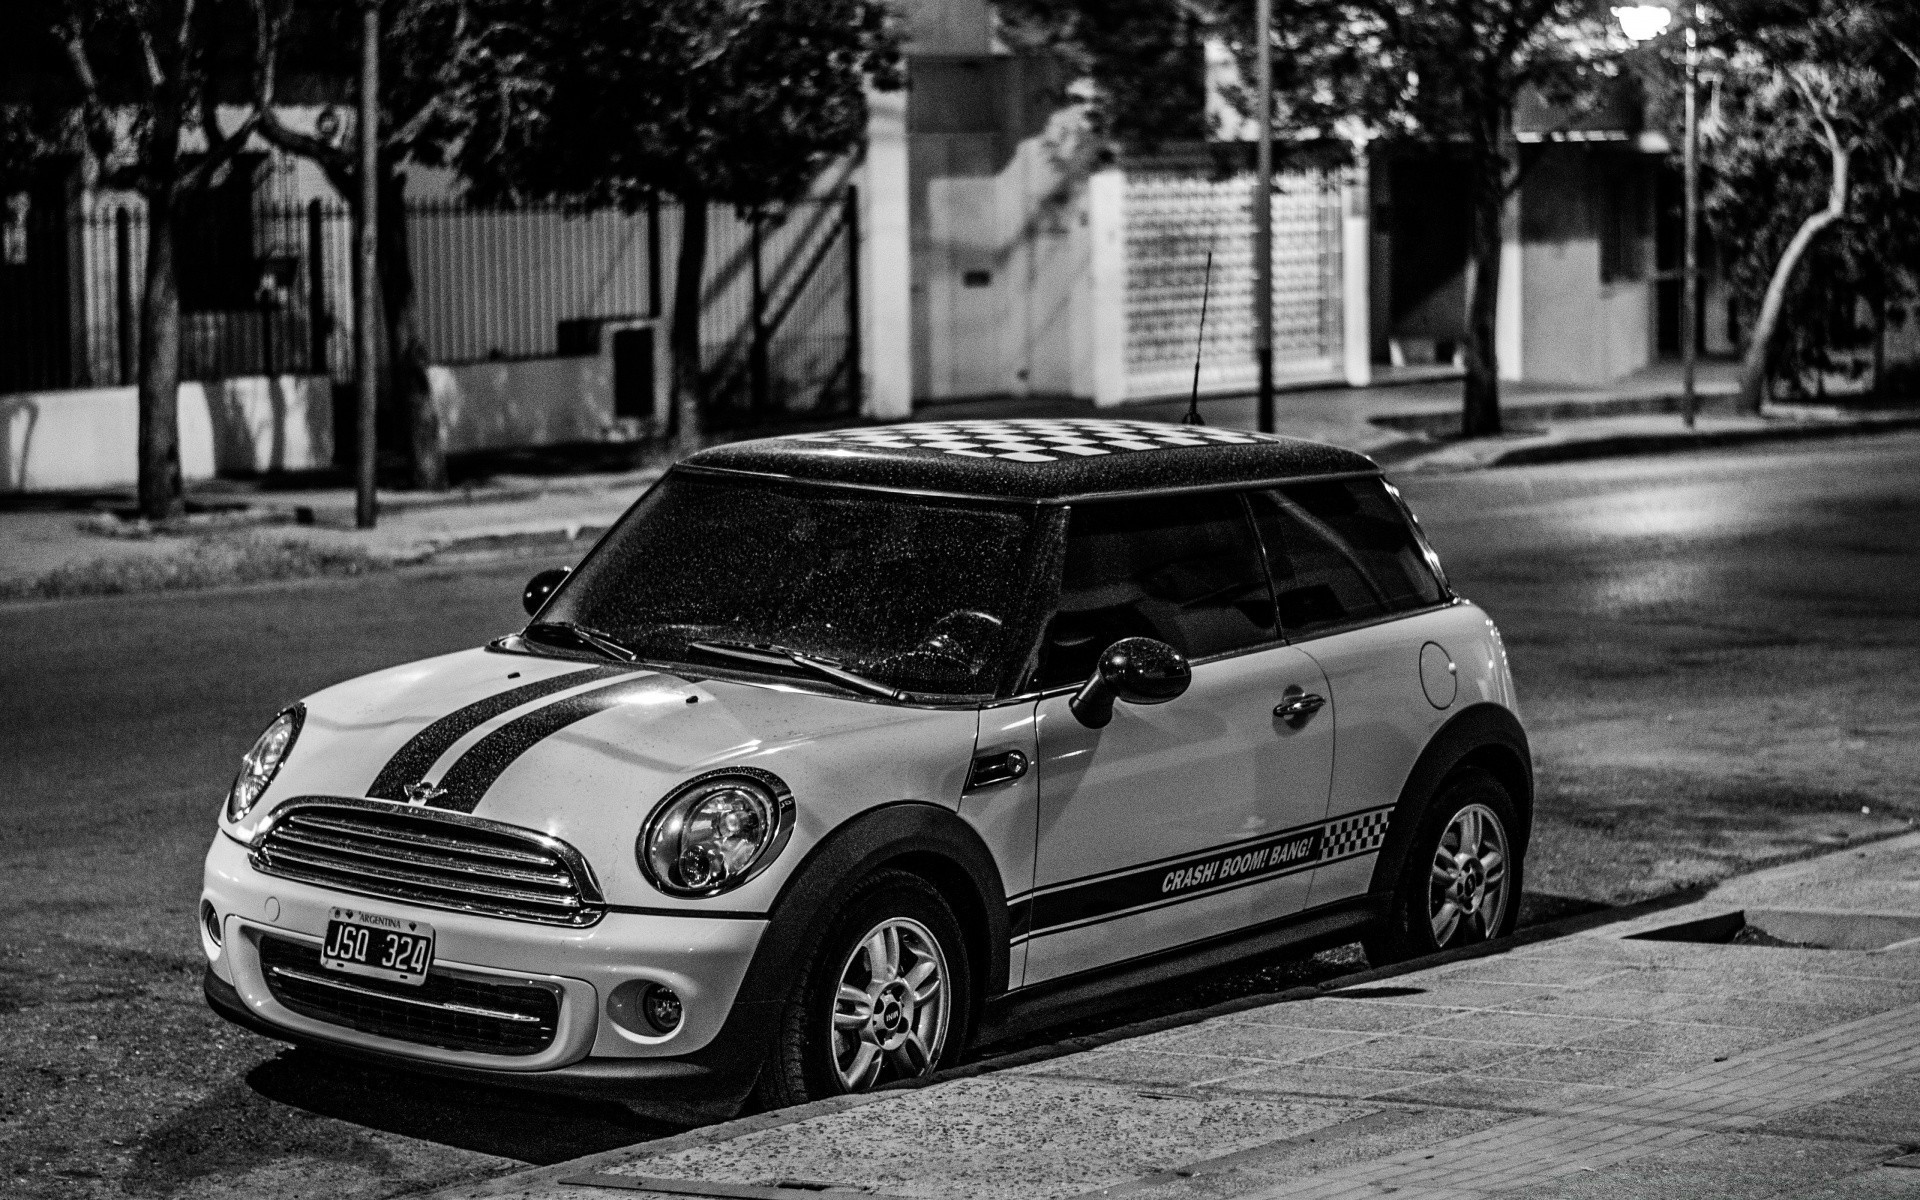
(1718,656)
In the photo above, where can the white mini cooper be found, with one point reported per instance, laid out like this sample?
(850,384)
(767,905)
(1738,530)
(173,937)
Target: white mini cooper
(842,751)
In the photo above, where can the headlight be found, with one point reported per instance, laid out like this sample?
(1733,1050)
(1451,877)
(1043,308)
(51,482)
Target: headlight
(716,832)
(262,762)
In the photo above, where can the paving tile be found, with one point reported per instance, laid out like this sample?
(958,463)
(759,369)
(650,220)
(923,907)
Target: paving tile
(1407,1052)
(1580,1064)
(1494,1092)
(998,1137)
(1739,1166)
(1681,1046)
(1561,972)
(1778,1017)
(1309,1080)
(1365,1016)
(1467,993)
(1250,1039)
(1144,1068)
(1554,1029)
(1599,1002)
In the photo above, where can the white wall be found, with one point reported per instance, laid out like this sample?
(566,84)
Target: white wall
(87,439)
(527,402)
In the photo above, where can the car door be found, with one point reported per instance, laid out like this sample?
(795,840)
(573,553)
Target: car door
(1179,821)
(1356,588)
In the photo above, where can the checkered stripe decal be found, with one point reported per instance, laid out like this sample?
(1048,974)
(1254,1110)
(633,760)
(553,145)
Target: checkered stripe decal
(1035,441)
(1355,835)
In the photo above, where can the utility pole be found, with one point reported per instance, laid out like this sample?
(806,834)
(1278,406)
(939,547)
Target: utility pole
(1263,214)
(1690,264)
(366,244)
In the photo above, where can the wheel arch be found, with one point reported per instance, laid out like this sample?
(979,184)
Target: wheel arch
(1484,736)
(924,839)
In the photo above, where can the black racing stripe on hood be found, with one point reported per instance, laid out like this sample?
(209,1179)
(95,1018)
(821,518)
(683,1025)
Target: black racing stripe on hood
(469,778)
(423,749)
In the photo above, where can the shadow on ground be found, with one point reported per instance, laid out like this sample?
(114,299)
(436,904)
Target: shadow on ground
(532,1127)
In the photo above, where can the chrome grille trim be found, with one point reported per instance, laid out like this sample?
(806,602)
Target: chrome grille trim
(295,832)
(423,840)
(428,857)
(436,1005)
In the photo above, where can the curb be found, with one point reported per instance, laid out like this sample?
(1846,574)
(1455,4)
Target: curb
(1580,409)
(551,1175)
(1629,444)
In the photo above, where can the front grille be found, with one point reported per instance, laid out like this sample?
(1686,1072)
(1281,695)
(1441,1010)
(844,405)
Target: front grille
(442,860)
(455,1013)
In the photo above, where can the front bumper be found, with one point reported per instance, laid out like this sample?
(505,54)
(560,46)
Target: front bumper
(598,1045)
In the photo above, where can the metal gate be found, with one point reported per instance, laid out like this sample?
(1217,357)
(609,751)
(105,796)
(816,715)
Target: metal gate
(1173,220)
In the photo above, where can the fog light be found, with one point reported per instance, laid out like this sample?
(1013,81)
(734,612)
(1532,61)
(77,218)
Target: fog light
(210,921)
(661,1008)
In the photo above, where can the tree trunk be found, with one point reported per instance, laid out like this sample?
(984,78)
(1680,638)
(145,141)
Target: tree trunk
(689,391)
(160,486)
(406,383)
(1753,369)
(1879,335)
(1480,401)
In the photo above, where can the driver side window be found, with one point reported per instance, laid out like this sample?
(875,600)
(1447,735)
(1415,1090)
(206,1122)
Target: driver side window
(1183,569)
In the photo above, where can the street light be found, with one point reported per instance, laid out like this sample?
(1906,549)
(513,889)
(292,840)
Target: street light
(1641,23)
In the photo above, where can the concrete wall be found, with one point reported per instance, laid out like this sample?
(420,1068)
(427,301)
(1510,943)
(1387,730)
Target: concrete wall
(998,214)
(87,439)
(528,402)
(1575,326)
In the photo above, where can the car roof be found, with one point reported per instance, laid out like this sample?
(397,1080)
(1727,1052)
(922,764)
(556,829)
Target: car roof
(1035,460)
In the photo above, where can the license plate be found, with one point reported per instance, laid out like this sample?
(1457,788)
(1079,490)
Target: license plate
(364,943)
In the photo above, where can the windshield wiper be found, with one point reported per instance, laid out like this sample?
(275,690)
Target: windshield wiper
(762,652)
(588,635)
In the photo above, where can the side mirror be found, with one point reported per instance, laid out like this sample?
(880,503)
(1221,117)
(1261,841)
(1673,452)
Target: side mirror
(541,586)
(1138,670)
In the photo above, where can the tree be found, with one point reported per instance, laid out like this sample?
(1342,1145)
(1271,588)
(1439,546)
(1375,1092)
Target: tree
(150,127)
(1821,139)
(600,103)
(1144,58)
(1439,75)
(428,65)
(1444,76)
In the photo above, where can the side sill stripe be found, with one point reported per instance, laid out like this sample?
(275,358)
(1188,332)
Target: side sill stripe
(1206,873)
(413,760)
(475,771)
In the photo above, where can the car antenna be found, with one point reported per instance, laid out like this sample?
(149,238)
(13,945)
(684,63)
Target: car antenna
(1199,343)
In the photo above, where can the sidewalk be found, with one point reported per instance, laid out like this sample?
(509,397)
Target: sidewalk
(254,533)
(1612,1062)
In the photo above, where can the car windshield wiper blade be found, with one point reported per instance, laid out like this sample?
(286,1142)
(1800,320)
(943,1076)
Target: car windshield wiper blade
(763,652)
(595,638)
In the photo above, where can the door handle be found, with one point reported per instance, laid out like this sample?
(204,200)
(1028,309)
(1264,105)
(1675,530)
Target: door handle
(1296,706)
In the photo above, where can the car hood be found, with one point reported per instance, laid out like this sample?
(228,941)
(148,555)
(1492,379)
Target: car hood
(583,752)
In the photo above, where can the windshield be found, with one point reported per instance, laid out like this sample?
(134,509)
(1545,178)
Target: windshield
(914,593)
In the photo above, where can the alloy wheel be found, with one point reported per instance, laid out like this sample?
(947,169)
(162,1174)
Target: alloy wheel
(1469,878)
(893,1005)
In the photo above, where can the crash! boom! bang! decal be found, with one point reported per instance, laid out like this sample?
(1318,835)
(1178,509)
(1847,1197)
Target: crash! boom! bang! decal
(1068,905)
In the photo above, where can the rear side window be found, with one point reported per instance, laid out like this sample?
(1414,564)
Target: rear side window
(1183,569)
(1341,551)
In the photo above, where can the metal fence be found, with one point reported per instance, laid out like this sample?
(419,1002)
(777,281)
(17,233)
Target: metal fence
(1173,220)
(268,290)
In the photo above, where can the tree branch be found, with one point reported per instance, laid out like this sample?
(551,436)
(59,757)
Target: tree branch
(221,148)
(405,133)
(156,78)
(337,163)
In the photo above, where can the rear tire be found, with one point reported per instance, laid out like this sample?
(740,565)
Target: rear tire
(1460,883)
(886,995)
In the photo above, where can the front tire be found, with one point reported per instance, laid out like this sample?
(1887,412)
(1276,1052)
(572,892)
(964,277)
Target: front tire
(1461,880)
(885,997)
